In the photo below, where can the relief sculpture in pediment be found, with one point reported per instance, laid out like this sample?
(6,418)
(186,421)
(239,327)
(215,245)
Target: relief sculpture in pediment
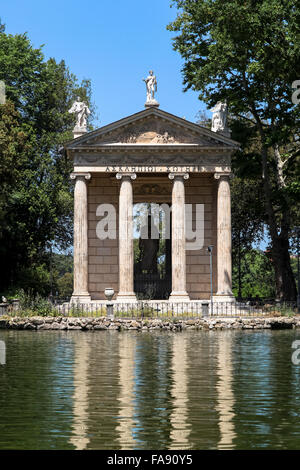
(152,133)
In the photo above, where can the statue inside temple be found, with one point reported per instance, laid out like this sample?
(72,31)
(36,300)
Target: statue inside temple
(148,247)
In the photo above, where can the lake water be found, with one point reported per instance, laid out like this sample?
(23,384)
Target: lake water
(141,390)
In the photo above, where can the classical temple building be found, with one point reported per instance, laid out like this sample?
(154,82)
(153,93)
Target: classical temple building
(151,157)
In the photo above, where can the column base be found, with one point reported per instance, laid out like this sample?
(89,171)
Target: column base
(126,297)
(225,298)
(179,297)
(80,299)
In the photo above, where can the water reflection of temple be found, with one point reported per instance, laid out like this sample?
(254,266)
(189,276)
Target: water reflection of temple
(80,438)
(125,429)
(159,391)
(225,400)
(179,391)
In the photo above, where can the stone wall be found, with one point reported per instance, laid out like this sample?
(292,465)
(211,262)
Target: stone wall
(103,323)
(103,254)
(201,189)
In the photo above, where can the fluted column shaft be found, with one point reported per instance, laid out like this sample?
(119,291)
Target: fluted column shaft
(126,256)
(179,292)
(80,292)
(224,235)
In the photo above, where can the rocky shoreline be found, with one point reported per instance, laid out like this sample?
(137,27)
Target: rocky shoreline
(171,324)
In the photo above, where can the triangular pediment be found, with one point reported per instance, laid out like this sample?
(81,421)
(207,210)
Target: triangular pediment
(152,127)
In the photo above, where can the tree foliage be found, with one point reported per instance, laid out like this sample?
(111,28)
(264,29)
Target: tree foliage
(36,193)
(248,54)
(258,277)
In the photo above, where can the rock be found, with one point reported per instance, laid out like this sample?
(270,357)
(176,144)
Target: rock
(29,326)
(48,319)
(45,326)
(37,321)
(74,322)
(175,325)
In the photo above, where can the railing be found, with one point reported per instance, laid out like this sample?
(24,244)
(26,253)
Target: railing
(144,309)
(159,309)
(252,309)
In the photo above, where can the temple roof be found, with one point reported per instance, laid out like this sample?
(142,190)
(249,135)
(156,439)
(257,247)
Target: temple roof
(152,128)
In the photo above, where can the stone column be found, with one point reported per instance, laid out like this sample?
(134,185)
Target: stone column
(126,285)
(179,293)
(224,292)
(80,293)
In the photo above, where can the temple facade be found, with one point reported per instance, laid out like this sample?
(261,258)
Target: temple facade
(152,157)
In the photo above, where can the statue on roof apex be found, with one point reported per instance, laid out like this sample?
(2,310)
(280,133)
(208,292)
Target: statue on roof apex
(151,88)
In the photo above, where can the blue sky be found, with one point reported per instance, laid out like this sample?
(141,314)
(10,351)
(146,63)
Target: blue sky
(115,44)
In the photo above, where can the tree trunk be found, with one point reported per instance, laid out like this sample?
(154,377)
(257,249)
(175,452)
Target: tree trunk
(284,278)
(285,281)
(239,267)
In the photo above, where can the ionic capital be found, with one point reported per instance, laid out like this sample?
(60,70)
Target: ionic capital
(180,175)
(220,175)
(84,176)
(131,176)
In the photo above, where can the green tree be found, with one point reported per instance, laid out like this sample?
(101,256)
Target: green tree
(36,192)
(247,222)
(258,277)
(2,27)
(248,53)
(65,286)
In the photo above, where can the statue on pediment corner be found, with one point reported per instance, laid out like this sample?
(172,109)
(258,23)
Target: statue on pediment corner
(82,112)
(219,119)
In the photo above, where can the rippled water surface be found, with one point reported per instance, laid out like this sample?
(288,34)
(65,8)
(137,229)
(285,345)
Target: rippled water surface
(110,390)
